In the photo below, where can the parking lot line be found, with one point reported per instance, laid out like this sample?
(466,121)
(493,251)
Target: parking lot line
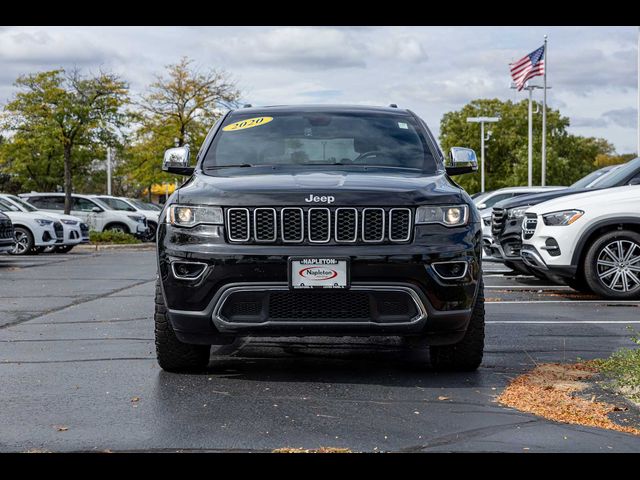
(631,303)
(573,322)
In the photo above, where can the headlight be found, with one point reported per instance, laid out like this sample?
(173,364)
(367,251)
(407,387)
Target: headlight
(69,222)
(42,222)
(186,216)
(566,217)
(136,218)
(517,212)
(451,216)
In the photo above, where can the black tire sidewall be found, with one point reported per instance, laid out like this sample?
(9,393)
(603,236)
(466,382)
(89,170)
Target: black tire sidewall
(591,270)
(31,245)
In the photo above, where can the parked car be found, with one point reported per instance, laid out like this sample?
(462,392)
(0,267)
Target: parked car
(74,233)
(7,239)
(98,215)
(132,205)
(31,229)
(507,216)
(592,240)
(485,202)
(320,220)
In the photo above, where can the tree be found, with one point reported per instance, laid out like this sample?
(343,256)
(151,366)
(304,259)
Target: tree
(179,109)
(569,157)
(68,112)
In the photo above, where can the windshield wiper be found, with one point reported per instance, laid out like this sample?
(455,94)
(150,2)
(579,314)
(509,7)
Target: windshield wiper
(240,165)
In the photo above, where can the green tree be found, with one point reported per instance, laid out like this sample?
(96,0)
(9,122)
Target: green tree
(68,112)
(569,157)
(179,108)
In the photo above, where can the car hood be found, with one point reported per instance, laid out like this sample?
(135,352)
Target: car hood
(534,199)
(627,197)
(296,188)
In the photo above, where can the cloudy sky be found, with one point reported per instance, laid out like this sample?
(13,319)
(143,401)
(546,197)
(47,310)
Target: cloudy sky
(431,70)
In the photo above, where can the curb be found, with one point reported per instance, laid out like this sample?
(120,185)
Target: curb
(99,247)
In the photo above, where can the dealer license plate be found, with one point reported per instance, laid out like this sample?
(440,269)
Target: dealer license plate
(318,273)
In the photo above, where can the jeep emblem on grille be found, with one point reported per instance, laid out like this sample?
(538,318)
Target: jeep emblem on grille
(317,199)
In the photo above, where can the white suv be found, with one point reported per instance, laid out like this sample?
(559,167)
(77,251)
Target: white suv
(73,233)
(92,211)
(132,205)
(590,239)
(31,230)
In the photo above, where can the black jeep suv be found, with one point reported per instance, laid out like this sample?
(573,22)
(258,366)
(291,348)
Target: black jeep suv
(319,220)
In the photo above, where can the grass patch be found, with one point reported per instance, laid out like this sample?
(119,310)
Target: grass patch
(112,236)
(623,369)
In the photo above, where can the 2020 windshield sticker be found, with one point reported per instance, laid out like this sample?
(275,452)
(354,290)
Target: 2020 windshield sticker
(248,123)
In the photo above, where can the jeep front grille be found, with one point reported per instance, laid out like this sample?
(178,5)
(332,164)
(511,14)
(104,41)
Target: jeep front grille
(318,225)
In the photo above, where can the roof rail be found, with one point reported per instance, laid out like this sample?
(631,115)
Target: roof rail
(247,105)
(393,105)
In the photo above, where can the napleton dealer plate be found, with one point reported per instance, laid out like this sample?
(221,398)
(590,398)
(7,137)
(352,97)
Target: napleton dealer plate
(318,272)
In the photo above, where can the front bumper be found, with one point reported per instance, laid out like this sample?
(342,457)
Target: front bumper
(196,307)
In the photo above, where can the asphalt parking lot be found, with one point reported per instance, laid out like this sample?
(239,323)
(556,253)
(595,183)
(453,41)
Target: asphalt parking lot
(78,372)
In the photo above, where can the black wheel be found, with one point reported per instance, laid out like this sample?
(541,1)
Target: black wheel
(64,248)
(117,227)
(519,268)
(579,283)
(466,355)
(612,265)
(24,242)
(151,233)
(172,354)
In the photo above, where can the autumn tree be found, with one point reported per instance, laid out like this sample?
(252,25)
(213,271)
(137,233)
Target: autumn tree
(68,112)
(178,109)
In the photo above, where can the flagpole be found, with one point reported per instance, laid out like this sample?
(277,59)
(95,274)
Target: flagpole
(544,117)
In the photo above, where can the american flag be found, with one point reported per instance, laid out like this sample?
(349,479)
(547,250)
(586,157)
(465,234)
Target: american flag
(528,67)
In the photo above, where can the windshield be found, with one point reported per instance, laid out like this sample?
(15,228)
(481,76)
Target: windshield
(311,139)
(586,181)
(139,204)
(117,204)
(618,176)
(6,206)
(21,203)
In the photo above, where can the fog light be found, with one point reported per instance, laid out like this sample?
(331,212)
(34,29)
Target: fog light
(552,247)
(450,270)
(188,270)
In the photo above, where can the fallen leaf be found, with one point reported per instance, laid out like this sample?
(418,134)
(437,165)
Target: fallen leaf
(442,397)
(62,428)
(135,399)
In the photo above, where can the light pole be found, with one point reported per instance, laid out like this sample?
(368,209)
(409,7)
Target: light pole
(482,121)
(108,170)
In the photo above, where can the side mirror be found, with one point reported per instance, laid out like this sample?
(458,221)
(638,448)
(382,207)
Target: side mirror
(461,160)
(482,206)
(97,210)
(176,160)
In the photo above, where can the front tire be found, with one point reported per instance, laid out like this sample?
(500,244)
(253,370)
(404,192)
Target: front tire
(24,242)
(117,227)
(612,265)
(466,355)
(172,354)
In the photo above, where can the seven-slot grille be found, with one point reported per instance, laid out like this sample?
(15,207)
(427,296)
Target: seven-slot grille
(316,225)
(529,225)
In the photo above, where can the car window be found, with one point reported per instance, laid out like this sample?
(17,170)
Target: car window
(320,138)
(83,205)
(21,203)
(48,202)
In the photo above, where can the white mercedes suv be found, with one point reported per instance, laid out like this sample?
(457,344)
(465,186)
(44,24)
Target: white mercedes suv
(93,212)
(132,205)
(591,240)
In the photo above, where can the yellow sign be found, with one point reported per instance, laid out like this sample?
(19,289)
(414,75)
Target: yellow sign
(248,123)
